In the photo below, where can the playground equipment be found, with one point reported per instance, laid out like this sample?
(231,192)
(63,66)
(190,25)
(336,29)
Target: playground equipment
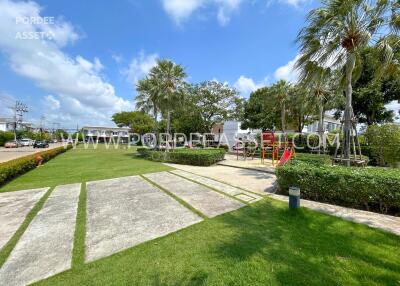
(272,147)
(245,147)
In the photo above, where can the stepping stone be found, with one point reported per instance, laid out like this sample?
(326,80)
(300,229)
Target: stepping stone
(125,212)
(224,188)
(46,246)
(205,200)
(14,207)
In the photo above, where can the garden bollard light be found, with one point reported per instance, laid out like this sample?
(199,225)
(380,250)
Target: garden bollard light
(294,198)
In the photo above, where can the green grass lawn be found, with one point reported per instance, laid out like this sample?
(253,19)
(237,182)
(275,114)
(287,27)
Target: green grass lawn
(82,165)
(262,244)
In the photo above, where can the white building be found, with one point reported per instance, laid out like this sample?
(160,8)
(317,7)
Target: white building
(229,131)
(330,124)
(106,133)
(6,124)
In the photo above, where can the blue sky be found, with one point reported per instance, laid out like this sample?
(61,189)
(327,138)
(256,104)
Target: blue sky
(84,67)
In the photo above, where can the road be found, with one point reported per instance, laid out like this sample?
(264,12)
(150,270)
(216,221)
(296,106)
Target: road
(7,154)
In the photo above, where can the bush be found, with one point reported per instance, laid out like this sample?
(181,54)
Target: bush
(317,159)
(195,157)
(11,169)
(384,142)
(372,188)
(5,136)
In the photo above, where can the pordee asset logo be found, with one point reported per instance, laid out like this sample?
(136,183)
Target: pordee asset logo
(313,141)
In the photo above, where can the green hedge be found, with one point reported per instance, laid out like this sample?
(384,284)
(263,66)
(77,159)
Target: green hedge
(195,157)
(371,188)
(5,136)
(16,167)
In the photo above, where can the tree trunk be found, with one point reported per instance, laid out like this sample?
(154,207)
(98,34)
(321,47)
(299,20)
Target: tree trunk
(155,127)
(283,115)
(321,125)
(168,128)
(348,112)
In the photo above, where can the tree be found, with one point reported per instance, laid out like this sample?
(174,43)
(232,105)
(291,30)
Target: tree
(281,91)
(216,101)
(301,107)
(385,143)
(371,94)
(260,111)
(139,122)
(148,99)
(335,35)
(166,80)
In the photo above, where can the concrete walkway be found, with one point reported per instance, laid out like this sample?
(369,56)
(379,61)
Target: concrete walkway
(46,246)
(205,200)
(14,207)
(251,180)
(224,188)
(124,212)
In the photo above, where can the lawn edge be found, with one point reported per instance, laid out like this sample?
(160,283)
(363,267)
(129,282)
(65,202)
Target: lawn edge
(78,251)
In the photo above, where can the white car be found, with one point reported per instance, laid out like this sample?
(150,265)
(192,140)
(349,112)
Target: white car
(26,142)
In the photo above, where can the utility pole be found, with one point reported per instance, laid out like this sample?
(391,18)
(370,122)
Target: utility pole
(19,109)
(42,119)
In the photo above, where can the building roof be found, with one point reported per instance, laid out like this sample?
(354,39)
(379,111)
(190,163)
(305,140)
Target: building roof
(107,128)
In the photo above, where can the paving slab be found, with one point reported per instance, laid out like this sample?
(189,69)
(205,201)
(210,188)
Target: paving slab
(205,200)
(375,220)
(46,246)
(254,181)
(14,207)
(125,212)
(224,188)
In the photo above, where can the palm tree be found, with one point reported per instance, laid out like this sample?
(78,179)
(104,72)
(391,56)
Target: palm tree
(335,35)
(167,80)
(281,90)
(147,99)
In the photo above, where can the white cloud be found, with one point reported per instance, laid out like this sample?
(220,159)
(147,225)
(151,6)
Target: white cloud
(140,66)
(69,80)
(181,10)
(294,3)
(288,72)
(51,102)
(247,85)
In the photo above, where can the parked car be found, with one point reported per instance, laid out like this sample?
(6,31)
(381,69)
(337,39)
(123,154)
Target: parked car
(40,144)
(26,142)
(12,144)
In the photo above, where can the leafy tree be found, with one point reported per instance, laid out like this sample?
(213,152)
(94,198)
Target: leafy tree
(260,111)
(336,34)
(385,143)
(301,107)
(216,101)
(371,94)
(137,121)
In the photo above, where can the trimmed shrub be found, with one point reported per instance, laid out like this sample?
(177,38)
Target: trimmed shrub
(5,136)
(317,159)
(195,157)
(372,188)
(13,168)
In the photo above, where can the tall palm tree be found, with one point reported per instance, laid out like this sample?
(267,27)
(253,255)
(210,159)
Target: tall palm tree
(167,79)
(335,35)
(281,90)
(147,99)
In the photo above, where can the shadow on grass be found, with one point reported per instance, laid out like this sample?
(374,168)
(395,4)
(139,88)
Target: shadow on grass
(310,248)
(261,244)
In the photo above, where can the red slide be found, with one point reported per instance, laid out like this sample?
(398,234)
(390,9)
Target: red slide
(286,156)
